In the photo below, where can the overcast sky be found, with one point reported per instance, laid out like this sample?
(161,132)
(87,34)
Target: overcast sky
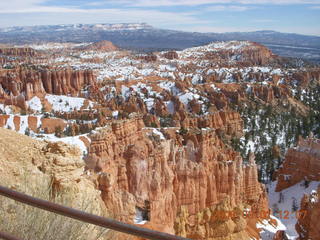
(297,16)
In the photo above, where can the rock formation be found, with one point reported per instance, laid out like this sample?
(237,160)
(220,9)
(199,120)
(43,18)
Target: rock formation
(30,82)
(105,46)
(180,185)
(308,225)
(162,155)
(19,85)
(52,171)
(280,235)
(171,55)
(22,52)
(301,163)
(148,57)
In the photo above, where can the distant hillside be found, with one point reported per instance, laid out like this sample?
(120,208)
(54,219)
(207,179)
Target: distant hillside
(145,37)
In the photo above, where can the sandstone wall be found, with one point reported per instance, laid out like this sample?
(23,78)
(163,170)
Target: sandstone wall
(34,123)
(29,83)
(178,183)
(301,163)
(23,52)
(308,225)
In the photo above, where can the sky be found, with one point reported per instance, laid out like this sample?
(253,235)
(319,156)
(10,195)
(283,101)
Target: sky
(295,16)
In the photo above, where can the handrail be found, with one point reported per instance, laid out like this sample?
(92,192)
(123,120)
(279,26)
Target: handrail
(7,236)
(87,217)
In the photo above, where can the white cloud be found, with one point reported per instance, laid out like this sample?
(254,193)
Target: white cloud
(20,12)
(217,29)
(153,3)
(40,9)
(11,5)
(29,6)
(277,2)
(232,8)
(55,15)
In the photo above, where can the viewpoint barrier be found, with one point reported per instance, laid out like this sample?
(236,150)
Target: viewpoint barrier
(84,217)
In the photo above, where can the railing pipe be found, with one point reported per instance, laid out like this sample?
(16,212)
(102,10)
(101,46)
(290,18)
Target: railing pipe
(87,217)
(7,236)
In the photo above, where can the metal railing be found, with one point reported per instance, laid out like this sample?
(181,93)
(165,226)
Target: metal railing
(6,236)
(84,217)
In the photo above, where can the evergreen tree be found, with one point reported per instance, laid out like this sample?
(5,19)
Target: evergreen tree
(295,206)
(27,132)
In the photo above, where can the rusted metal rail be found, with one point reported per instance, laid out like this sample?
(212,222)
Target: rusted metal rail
(6,236)
(86,217)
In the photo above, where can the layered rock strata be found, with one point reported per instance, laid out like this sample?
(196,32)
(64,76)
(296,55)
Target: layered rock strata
(301,163)
(180,185)
(308,225)
(22,52)
(29,83)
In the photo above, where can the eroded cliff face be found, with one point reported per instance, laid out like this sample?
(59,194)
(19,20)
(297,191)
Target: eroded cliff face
(280,235)
(21,52)
(301,163)
(105,46)
(247,53)
(296,191)
(181,181)
(34,123)
(308,225)
(26,83)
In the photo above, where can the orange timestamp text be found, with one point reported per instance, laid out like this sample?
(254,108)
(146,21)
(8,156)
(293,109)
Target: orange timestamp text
(224,215)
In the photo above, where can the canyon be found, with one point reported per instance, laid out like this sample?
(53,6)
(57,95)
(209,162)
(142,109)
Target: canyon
(163,138)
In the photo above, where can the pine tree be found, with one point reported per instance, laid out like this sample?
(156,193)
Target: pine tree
(281,197)
(27,132)
(295,206)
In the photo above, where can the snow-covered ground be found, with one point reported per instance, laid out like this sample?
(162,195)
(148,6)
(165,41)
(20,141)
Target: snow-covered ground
(59,103)
(53,45)
(23,123)
(24,127)
(69,140)
(65,103)
(35,104)
(139,217)
(284,201)
(268,230)
(6,109)
(216,46)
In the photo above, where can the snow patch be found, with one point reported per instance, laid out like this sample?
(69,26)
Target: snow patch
(5,109)
(158,133)
(34,104)
(284,201)
(68,140)
(268,230)
(65,103)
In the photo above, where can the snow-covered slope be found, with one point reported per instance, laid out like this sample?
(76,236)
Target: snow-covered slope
(285,202)
(268,230)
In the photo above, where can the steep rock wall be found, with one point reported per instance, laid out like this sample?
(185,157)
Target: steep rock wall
(28,83)
(22,52)
(175,182)
(308,225)
(301,163)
